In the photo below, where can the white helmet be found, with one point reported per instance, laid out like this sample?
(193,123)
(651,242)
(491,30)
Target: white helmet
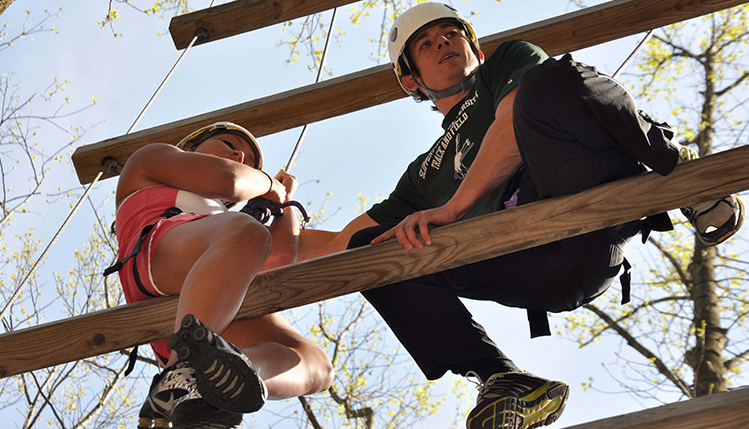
(413,21)
(202,134)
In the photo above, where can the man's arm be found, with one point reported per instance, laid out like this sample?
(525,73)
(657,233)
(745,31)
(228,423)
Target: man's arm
(497,159)
(314,243)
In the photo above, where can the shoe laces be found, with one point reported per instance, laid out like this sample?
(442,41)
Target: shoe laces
(506,385)
(489,388)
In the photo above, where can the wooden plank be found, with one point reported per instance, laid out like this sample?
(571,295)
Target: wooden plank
(725,410)
(240,16)
(372,266)
(377,85)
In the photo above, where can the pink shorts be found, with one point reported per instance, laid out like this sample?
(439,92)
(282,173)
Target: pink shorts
(143,262)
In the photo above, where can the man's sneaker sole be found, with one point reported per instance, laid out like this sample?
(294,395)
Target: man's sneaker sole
(218,422)
(541,407)
(151,423)
(224,379)
(229,424)
(731,232)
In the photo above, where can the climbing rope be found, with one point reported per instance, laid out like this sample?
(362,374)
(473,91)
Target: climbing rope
(109,165)
(262,209)
(634,53)
(317,80)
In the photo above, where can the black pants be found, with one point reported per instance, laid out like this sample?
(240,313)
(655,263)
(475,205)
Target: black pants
(575,129)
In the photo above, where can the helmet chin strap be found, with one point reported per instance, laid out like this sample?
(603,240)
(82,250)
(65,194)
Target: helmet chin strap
(463,86)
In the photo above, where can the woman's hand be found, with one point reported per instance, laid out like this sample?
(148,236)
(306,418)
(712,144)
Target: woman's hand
(277,192)
(289,182)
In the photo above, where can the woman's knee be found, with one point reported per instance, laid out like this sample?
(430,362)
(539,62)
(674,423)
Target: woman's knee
(244,234)
(320,369)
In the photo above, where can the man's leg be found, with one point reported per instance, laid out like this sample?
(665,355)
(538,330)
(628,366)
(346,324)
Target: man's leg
(440,334)
(576,129)
(570,103)
(432,324)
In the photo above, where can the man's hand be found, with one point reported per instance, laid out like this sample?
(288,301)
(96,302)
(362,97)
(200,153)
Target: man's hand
(405,231)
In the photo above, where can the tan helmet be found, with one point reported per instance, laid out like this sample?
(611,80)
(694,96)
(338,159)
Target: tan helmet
(413,21)
(202,134)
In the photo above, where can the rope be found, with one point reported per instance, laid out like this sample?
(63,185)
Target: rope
(31,272)
(262,209)
(317,80)
(109,165)
(633,54)
(200,33)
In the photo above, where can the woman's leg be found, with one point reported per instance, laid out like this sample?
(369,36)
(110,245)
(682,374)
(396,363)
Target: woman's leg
(289,364)
(210,262)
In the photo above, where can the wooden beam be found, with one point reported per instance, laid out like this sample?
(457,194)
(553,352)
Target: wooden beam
(240,16)
(4,4)
(372,266)
(377,85)
(725,410)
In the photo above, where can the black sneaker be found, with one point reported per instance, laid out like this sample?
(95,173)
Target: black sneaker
(715,221)
(226,378)
(517,400)
(174,402)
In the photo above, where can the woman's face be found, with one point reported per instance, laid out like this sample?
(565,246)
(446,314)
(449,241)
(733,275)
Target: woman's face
(228,146)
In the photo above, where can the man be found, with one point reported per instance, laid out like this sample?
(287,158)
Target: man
(518,127)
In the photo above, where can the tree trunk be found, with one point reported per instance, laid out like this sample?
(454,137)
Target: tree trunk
(707,357)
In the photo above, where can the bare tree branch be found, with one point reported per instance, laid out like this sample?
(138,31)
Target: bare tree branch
(650,356)
(686,279)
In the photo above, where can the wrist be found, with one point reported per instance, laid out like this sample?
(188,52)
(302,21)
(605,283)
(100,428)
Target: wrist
(456,209)
(270,188)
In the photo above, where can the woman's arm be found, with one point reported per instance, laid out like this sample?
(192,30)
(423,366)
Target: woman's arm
(285,229)
(206,175)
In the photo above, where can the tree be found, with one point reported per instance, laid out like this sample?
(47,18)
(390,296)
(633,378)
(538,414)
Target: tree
(686,323)
(36,139)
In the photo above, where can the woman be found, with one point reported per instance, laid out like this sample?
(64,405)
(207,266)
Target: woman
(177,238)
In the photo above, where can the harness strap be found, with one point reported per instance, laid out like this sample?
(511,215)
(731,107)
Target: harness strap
(539,323)
(131,359)
(626,280)
(117,266)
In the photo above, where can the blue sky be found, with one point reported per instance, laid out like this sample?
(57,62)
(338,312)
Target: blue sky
(363,152)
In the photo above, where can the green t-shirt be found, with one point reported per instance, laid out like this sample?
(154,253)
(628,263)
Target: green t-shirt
(434,177)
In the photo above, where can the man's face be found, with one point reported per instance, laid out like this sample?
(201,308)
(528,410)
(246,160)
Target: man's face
(442,55)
